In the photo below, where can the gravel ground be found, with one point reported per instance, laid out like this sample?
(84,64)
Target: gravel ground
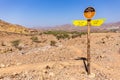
(62,62)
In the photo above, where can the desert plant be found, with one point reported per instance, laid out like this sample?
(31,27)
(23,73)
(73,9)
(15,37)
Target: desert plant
(59,34)
(62,36)
(34,39)
(51,32)
(77,34)
(113,30)
(16,43)
(53,43)
(65,35)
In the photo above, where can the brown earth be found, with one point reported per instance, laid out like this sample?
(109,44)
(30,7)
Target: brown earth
(65,61)
(14,28)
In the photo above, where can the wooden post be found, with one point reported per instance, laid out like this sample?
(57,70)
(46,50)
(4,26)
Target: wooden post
(88,46)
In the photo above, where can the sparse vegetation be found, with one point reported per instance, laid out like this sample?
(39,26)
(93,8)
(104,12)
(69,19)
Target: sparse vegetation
(34,39)
(113,30)
(62,36)
(65,35)
(77,34)
(52,53)
(53,43)
(16,43)
(59,34)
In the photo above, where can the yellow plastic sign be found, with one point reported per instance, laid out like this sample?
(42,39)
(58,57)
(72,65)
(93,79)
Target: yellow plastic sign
(82,23)
(97,22)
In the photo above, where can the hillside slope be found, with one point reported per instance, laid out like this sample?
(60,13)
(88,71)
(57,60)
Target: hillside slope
(8,27)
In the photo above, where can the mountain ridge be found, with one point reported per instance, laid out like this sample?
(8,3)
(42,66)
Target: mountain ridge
(14,28)
(70,27)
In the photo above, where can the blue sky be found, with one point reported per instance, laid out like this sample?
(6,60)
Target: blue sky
(32,13)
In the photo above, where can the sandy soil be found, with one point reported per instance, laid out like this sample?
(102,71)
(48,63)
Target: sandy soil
(65,61)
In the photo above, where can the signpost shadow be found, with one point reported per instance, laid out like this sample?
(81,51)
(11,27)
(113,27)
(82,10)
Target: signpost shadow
(84,62)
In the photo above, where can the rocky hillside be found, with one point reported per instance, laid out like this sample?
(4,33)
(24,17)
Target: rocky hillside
(8,27)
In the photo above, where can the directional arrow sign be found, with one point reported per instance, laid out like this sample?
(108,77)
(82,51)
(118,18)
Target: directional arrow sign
(97,22)
(82,23)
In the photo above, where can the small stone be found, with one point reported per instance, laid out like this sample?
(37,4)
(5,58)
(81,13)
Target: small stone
(92,75)
(2,66)
(47,67)
(15,73)
(51,74)
(18,64)
(7,65)
(6,78)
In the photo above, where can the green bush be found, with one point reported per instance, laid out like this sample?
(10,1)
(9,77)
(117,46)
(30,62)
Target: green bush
(59,34)
(65,35)
(77,34)
(62,36)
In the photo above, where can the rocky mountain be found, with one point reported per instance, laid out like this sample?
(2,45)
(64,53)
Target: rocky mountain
(8,27)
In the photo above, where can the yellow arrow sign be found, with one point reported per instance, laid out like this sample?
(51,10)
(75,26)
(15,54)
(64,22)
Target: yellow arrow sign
(97,22)
(82,23)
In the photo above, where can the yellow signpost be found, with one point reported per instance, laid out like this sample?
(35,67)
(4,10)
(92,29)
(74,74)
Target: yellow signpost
(89,14)
(95,23)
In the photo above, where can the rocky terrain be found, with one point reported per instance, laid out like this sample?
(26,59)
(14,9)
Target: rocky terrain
(27,54)
(8,27)
(44,57)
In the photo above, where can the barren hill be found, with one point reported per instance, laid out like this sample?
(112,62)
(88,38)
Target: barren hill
(8,27)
